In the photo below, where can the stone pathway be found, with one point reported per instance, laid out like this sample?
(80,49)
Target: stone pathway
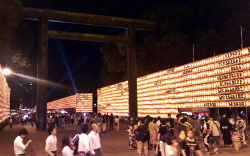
(114,143)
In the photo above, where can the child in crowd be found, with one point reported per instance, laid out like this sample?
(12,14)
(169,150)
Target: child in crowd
(236,140)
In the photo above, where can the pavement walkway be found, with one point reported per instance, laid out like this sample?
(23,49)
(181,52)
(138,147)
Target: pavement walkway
(114,143)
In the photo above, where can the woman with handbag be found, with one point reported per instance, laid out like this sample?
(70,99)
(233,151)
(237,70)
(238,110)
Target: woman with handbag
(206,134)
(152,127)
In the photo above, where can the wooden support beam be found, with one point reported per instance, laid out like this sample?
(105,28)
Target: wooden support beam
(42,73)
(86,37)
(132,73)
(87,19)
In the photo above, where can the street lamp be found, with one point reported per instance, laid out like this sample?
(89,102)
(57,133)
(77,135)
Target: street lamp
(6,71)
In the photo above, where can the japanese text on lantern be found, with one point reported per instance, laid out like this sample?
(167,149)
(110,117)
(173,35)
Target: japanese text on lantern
(219,81)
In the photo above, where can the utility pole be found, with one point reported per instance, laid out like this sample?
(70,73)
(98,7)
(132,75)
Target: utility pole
(193,52)
(241,36)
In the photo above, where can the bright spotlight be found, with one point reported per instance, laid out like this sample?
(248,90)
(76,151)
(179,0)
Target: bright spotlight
(6,71)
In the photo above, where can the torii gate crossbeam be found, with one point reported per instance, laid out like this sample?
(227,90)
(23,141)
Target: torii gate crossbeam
(45,16)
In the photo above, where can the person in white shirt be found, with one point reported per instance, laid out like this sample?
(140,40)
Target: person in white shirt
(171,146)
(51,142)
(85,119)
(67,147)
(94,141)
(117,123)
(83,145)
(19,147)
(215,129)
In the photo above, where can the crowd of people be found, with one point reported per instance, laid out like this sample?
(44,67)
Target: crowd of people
(160,135)
(62,120)
(165,136)
(22,119)
(82,144)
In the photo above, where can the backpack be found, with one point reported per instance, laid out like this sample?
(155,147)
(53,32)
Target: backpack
(144,136)
(75,142)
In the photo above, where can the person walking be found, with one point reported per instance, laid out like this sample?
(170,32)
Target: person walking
(117,123)
(171,145)
(85,120)
(104,123)
(99,122)
(206,134)
(33,120)
(111,121)
(11,122)
(171,123)
(236,140)
(131,136)
(59,122)
(190,146)
(241,127)
(83,145)
(19,147)
(215,130)
(197,125)
(143,138)
(164,129)
(72,119)
(107,118)
(226,129)
(152,127)
(51,141)
(182,130)
(67,147)
(63,122)
(94,141)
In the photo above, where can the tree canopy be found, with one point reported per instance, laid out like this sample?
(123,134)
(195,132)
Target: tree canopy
(17,50)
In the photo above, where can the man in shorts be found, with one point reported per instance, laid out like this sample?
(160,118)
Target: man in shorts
(215,128)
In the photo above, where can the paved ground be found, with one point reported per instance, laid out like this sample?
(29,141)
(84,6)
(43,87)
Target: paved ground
(113,143)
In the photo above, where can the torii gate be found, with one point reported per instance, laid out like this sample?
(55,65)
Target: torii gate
(45,16)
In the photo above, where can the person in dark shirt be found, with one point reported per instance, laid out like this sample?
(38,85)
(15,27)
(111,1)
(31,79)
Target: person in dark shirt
(111,121)
(171,123)
(164,129)
(143,138)
(104,123)
(182,127)
(107,118)
(189,146)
